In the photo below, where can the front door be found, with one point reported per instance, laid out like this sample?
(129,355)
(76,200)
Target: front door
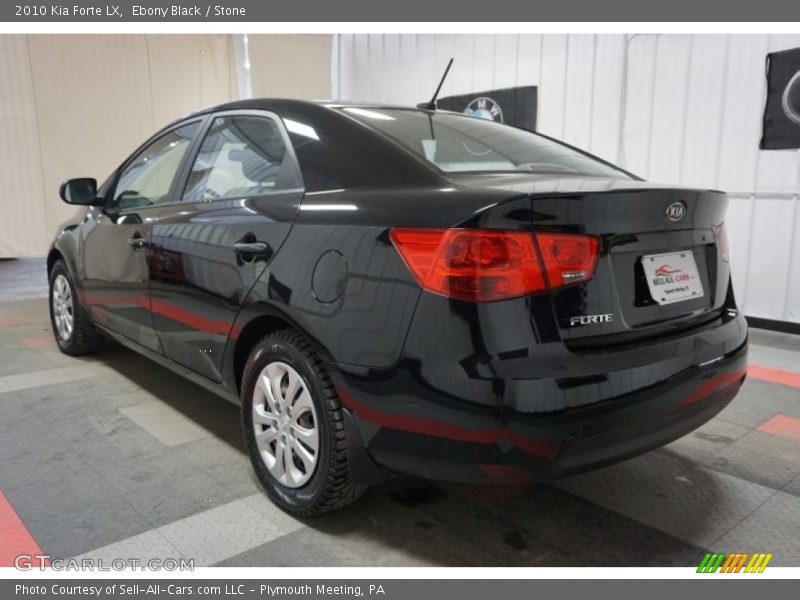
(240,197)
(115,247)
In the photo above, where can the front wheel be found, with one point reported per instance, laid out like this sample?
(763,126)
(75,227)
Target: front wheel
(74,332)
(294,429)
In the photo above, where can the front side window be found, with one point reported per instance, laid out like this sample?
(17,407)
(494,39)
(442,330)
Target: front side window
(147,179)
(241,157)
(457,143)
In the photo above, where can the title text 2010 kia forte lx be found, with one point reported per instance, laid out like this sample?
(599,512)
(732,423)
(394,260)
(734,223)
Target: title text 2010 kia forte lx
(389,290)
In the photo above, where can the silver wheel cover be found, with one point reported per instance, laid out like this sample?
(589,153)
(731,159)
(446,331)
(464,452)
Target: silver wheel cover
(63,308)
(285,425)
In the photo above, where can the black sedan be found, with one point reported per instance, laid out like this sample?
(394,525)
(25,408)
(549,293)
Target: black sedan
(388,289)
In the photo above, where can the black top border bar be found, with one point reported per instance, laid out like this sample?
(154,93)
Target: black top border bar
(439,11)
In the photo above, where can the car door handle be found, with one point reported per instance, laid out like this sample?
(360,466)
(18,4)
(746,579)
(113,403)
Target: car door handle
(252,248)
(137,242)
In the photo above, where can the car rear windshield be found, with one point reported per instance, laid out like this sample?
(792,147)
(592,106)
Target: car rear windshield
(458,143)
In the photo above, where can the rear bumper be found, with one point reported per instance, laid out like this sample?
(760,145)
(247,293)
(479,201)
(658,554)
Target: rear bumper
(409,426)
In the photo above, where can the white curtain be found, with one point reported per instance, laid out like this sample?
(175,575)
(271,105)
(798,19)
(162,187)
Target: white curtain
(291,66)
(77,105)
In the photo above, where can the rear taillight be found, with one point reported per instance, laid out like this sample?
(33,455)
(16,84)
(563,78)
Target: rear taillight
(568,258)
(722,242)
(482,265)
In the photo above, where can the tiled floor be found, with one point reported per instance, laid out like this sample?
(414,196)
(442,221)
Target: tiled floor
(113,456)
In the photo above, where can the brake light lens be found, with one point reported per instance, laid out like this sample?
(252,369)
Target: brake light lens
(721,232)
(568,258)
(480,265)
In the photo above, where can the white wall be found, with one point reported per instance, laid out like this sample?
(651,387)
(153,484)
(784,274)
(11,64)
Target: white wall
(77,105)
(290,66)
(687,112)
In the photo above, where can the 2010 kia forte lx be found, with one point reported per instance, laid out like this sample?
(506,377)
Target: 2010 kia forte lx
(406,290)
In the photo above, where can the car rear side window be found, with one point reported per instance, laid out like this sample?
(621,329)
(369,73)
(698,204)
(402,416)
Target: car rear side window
(457,143)
(147,178)
(242,156)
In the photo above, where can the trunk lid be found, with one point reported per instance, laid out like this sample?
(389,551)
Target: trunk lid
(656,242)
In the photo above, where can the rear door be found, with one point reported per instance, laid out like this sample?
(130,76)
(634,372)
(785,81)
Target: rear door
(115,245)
(239,193)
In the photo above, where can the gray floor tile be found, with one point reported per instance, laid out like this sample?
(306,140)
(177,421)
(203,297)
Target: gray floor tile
(237,476)
(794,409)
(354,549)
(766,395)
(697,506)
(17,361)
(67,533)
(189,494)
(164,423)
(218,534)
(67,395)
(758,401)
(707,441)
(113,385)
(793,487)
(24,378)
(767,356)
(124,441)
(286,551)
(212,452)
(771,444)
(742,460)
(143,547)
(794,367)
(60,484)
(774,527)
(34,441)
(22,273)
(774,339)
(18,414)
(400,512)
(160,467)
(641,471)
(591,535)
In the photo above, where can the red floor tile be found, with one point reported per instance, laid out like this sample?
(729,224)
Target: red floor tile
(16,539)
(12,321)
(774,375)
(782,425)
(39,342)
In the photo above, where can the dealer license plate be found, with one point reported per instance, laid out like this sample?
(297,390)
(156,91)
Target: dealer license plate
(672,277)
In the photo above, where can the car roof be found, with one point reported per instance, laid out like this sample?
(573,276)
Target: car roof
(273,103)
(294,104)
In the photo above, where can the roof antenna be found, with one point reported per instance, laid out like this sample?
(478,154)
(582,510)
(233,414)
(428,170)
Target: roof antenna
(432,104)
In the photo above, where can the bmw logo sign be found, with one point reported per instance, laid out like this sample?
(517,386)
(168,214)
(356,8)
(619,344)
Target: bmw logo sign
(485,108)
(791,99)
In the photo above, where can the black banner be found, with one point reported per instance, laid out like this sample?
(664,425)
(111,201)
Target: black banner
(732,587)
(38,11)
(513,106)
(782,112)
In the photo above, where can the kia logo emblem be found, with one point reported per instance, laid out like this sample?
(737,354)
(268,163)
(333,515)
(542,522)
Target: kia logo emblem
(675,211)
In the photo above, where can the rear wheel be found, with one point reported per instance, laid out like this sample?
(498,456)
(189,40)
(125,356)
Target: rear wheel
(294,429)
(74,332)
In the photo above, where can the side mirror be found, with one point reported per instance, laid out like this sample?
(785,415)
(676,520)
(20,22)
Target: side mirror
(82,190)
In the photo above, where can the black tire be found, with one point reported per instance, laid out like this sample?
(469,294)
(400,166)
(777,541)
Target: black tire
(330,486)
(84,338)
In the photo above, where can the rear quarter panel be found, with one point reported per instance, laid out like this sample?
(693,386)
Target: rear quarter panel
(340,279)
